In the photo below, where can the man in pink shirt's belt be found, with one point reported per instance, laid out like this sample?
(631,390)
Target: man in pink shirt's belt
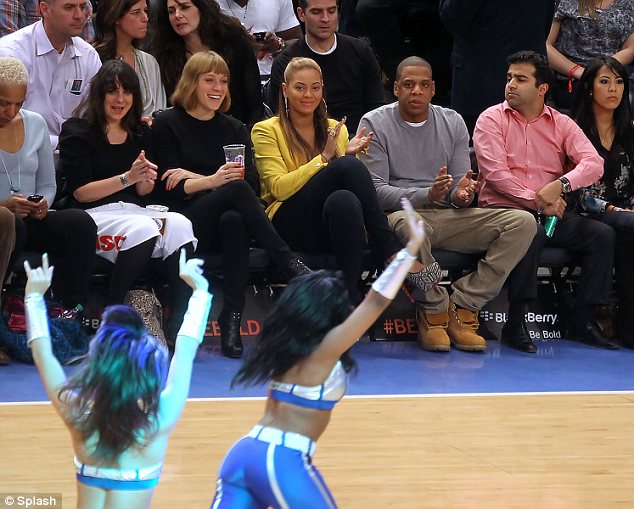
(530,156)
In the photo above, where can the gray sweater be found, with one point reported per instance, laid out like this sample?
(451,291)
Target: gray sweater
(32,166)
(404,160)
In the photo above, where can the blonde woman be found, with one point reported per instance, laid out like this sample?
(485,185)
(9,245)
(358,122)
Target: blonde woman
(320,197)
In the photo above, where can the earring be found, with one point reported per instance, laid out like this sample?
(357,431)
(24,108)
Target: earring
(325,105)
(286,104)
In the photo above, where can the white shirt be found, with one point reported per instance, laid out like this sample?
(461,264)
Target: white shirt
(57,83)
(262,16)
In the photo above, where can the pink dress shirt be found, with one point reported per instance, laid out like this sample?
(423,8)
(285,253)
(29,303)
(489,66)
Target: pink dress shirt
(518,158)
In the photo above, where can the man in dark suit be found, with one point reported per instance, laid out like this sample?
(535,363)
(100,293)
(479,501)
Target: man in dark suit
(351,73)
(485,33)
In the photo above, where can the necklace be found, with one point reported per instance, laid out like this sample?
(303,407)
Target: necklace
(244,14)
(12,187)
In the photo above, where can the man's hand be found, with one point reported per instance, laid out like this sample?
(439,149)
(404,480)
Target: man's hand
(466,190)
(548,194)
(556,209)
(441,185)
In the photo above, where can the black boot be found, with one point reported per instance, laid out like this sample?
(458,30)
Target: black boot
(293,268)
(230,341)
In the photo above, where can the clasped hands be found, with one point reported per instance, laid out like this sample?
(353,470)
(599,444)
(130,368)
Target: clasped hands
(142,170)
(549,199)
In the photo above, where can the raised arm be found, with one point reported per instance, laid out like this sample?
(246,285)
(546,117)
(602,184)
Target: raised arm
(37,331)
(189,337)
(383,291)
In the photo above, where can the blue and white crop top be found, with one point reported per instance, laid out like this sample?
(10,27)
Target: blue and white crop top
(118,479)
(319,397)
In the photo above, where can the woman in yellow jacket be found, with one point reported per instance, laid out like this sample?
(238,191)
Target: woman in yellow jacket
(320,197)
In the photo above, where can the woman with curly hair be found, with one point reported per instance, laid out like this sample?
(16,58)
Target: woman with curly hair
(602,110)
(302,352)
(121,404)
(120,26)
(185,27)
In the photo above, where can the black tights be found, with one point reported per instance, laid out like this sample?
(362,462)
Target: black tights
(131,264)
(224,221)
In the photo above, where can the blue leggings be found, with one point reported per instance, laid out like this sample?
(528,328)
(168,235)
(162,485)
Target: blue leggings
(257,474)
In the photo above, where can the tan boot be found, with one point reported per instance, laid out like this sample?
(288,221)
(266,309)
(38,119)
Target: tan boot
(432,330)
(462,329)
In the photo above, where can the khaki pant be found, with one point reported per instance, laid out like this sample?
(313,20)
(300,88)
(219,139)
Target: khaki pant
(503,234)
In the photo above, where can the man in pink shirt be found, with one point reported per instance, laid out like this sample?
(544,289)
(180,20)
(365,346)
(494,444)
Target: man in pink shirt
(530,157)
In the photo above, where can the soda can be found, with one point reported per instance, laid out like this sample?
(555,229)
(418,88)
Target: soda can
(550,224)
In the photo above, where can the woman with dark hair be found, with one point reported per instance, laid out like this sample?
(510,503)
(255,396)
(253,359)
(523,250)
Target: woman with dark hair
(315,185)
(583,30)
(119,27)
(105,158)
(28,188)
(602,110)
(219,197)
(121,404)
(185,27)
(302,352)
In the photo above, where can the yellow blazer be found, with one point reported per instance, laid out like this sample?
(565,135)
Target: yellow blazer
(281,177)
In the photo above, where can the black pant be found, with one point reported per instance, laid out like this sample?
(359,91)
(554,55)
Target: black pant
(592,241)
(332,213)
(623,225)
(69,237)
(225,220)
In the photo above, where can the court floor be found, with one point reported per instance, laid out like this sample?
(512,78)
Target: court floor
(418,430)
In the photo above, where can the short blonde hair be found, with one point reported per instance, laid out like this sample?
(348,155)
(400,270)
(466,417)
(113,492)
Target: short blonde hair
(200,63)
(13,72)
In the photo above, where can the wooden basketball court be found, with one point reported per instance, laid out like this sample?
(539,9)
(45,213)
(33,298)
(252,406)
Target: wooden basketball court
(509,451)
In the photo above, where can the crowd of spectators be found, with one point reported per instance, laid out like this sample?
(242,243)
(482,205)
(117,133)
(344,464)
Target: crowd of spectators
(138,119)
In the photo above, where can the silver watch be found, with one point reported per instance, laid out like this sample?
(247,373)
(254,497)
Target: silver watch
(124,180)
(565,185)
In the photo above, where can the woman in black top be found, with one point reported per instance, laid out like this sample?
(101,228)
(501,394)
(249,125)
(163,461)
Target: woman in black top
(105,159)
(220,198)
(602,110)
(185,27)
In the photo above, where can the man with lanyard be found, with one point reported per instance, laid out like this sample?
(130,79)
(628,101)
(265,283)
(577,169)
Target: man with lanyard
(60,64)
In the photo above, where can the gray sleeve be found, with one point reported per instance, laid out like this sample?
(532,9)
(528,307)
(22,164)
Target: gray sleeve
(460,162)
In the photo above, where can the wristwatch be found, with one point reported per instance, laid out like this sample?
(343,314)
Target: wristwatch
(565,185)
(123,180)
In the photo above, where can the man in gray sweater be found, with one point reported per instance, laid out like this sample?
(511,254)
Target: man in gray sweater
(421,151)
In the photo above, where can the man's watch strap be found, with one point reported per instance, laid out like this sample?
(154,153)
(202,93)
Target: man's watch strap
(565,185)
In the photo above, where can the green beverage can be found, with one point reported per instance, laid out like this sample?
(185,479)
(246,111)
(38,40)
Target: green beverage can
(550,224)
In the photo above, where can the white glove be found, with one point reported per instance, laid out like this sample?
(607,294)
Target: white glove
(38,281)
(195,319)
(191,272)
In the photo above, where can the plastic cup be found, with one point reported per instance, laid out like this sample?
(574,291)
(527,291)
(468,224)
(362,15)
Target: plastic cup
(160,221)
(234,153)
